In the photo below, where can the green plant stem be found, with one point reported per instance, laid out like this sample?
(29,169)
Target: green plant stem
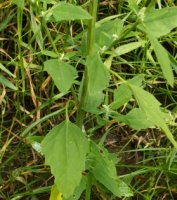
(19,27)
(91,26)
(89,187)
(21,62)
(90,47)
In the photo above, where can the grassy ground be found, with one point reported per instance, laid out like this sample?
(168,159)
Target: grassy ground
(147,159)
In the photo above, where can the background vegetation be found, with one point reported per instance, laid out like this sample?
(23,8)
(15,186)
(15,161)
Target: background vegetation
(134,45)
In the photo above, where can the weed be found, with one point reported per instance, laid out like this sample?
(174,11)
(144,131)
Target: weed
(97,74)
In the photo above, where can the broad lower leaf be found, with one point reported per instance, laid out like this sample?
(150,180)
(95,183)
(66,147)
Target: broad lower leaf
(67,11)
(62,73)
(136,119)
(98,80)
(160,21)
(151,107)
(163,59)
(104,170)
(65,148)
(7,83)
(123,94)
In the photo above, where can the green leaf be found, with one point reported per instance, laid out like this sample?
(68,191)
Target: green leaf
(104,170)
(65,148)
(7,83)
(49,53)
(67,11)
(123,94)
(136,119)
(151,107)
(36,30)
(6,70)
(163,59)
(126,48)
(160,21)
(62,73)
(107,32)
(98,80)
(19,3)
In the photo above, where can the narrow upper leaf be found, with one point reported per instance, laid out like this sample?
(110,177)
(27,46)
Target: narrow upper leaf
(98,75)
(62,73)
(107,32)
(136,119)
(98,80)
(156,23)
(36,30)
(126,48)
(123,94)
(67,11)
(51,54)
(160,21)
(163,59)
(65,149)
(151,107)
